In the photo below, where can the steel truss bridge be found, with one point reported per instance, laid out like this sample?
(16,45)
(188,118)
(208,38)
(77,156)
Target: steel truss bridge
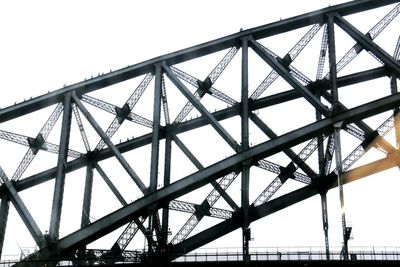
(172,115)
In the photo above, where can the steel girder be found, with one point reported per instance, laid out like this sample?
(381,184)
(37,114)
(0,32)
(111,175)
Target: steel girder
(245,155)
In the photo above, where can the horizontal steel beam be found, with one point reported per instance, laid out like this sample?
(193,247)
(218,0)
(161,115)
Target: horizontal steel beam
(121,216)
(180,56)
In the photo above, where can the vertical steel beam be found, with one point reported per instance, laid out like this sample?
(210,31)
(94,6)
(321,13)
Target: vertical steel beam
(156,129)
(324,207)
(167,180)
(155,143)
(335,104)
(332,62)
(87,196)
(394,90)
(4,208)
(61,164)
(325,223)
(245,145)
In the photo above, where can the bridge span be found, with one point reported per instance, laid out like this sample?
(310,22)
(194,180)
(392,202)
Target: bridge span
(162,163)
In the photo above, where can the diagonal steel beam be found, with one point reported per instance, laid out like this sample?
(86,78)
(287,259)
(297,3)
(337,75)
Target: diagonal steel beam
(289,152)
(112,147)
(291,55)
(22,210)
(219,190)
(193,181)
(214,123)
(110,184)
(372,33)
(206,85)
(283,71)
(134,225)
(366,43)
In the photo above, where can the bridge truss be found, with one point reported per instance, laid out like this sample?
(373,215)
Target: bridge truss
(190,137)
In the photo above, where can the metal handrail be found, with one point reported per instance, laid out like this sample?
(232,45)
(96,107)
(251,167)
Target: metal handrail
(216,255)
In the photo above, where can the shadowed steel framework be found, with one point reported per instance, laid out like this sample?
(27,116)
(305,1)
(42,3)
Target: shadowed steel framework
(167,120)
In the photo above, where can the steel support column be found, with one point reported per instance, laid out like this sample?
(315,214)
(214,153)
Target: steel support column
(155,143)
(4,209)
(394,89)
(245,145)
(324,207)
(325,223)
(167,179)
(337,126)
(87,196)
(61,166)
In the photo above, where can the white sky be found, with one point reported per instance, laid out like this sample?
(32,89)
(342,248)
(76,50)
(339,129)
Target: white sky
(46,44)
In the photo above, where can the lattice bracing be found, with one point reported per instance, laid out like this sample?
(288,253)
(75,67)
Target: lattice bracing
(167,185)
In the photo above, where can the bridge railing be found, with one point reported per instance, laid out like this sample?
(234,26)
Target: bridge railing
(294,254)
(99,257)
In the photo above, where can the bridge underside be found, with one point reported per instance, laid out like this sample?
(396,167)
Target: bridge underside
(186,147)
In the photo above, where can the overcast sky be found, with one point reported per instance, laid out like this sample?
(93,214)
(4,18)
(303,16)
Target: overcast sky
(48,44)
